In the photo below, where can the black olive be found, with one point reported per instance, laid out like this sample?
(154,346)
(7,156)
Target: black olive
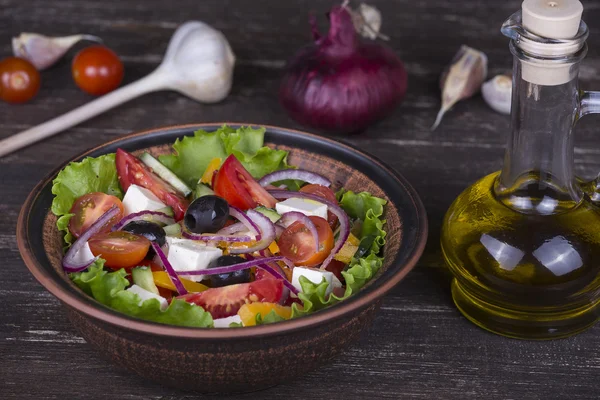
(150,230)
(206,214)
(232,278)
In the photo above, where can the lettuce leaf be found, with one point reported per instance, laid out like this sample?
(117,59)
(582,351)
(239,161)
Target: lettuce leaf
(78,178)
(193,153)
(369,210)
(109,289)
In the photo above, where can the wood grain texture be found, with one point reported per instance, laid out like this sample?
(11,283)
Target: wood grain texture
(419,347)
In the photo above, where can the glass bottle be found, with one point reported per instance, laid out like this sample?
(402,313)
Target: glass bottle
(523,243)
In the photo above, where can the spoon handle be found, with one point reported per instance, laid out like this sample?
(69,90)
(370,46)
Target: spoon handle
(152,82)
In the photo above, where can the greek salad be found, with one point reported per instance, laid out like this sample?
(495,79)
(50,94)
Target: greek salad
(221,233)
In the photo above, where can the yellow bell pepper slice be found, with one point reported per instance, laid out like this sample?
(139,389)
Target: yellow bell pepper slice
(161,279)
(213,165)
(348,249)
(248,312)
(273,248)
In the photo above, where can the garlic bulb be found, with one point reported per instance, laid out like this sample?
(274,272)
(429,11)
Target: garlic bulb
(367,22)
(44,51)
(497,93)
(461,79)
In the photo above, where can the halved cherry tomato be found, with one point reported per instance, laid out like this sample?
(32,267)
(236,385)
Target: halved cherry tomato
(226,301)
(327,194)
(235,184)
(88,208)
(120,249)
(132,171)
(297,244)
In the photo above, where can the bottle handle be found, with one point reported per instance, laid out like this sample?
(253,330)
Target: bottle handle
(589,103)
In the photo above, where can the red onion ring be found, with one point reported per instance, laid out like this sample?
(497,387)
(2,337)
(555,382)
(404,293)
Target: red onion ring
(265,234)
(146,215)
(68,262)
(334,208)
(245,219)
(299,174)
(257,262)
(291,217)
(170,271)
(233,228)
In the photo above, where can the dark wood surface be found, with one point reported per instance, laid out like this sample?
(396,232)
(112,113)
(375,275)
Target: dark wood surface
(419,346)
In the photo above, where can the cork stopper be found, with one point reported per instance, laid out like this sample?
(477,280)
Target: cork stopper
(552,19)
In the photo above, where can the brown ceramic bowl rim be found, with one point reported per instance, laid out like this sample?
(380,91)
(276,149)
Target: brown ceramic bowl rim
(358,301)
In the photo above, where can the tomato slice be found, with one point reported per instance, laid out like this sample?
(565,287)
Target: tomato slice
(88,208)
(120,249)
(297,244)
(132,171)
(227,300)
(336,267)
(327,194)
(235,184)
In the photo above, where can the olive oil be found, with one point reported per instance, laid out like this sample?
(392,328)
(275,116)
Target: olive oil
(524,274)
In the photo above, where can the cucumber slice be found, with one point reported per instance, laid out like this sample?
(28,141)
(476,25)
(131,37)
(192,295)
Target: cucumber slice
(173,230)
(269,213)
(202,190)
(165,174)
(142,276)
(168,211)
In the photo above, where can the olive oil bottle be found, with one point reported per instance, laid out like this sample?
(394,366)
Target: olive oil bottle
(523,243)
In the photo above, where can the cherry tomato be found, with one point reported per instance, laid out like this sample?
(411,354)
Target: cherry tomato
(297,244)
(132,171)
(225,301)
(97,70)
(327,194)
(19,80)
(120,249)
(336,267)
(235,184)
(88,208)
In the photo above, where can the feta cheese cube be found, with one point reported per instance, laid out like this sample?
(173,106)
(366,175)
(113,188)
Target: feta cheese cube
(170,240)
(146,295)
(315,276)
(139,199)
(83,255)
(189,255)
(224,322)
(305,206)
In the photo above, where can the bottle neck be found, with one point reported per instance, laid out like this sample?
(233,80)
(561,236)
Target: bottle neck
(537,176)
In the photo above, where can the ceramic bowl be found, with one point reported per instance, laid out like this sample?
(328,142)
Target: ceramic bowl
(245,359)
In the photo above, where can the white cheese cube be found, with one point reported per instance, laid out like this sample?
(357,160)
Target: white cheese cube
(315,276)
(139,199)
(146,295)
(83,255)
(189,255)
(305,206)
(170,240)
(224,322)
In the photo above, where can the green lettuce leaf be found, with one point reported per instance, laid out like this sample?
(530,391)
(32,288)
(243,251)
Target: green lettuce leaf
(369,210)
(109,289)
(78,178)
(193,153)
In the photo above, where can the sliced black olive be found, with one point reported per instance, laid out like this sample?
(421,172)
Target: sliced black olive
(206,214)
(232,278)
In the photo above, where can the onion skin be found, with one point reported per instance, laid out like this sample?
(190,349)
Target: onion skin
(341,84)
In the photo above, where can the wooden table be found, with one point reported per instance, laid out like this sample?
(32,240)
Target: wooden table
(419,346)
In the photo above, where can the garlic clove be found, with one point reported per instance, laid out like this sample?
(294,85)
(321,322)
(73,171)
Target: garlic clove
(497,93)
(461,79)
(367,22)
(44,51)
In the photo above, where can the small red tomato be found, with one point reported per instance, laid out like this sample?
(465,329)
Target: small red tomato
(19,80)
(97,70)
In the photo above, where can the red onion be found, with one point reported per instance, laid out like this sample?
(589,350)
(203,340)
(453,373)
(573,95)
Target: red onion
(299,174)
(344,227)
(68,262)
(215,237)
(265,233)
(289,218)
(233,228)
(170,271)
(146,215)
(257,262)
(341,84)
(244,219)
